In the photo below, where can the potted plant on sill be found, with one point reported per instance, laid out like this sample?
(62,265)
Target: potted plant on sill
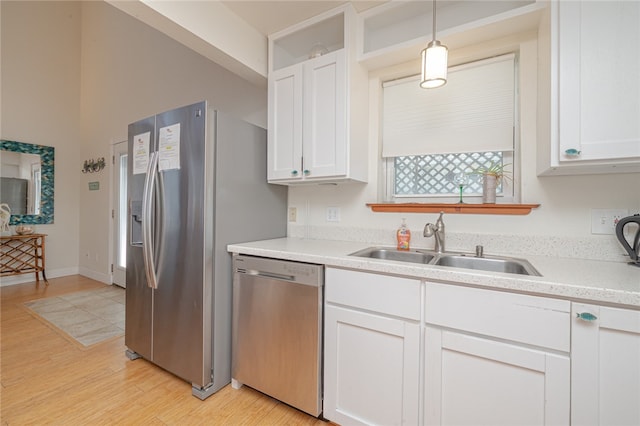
(491,176)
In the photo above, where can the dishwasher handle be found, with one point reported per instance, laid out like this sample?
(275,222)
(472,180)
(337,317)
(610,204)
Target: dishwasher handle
(264,274)
(279,270)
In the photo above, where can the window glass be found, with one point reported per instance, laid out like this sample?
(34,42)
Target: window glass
(478,127)
(435,174)
(122,214)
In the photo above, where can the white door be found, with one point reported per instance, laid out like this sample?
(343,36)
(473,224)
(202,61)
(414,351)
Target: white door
(285,124)
(605,366)
(475,381)
(371,369)
(599,85)
(324,118)
(119,214)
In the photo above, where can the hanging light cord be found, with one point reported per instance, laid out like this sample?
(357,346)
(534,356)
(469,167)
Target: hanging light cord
(433,12)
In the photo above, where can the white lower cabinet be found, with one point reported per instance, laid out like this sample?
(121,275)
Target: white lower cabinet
(371,373)
(478,381)
(605,356)
(494,358)
(399,351)
(371,360)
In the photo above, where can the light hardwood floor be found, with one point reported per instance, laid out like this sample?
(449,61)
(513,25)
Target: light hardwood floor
(48,379)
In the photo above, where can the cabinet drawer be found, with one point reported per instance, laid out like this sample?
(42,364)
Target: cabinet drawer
(378,293)
(520,318)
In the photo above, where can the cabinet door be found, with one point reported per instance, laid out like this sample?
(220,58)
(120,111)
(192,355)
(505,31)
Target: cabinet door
(324,116)
(605,363)
(284,154)
(599,88)
(371,370)
(475,381)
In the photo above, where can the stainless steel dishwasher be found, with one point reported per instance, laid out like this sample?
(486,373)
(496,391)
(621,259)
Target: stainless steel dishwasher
(277,330)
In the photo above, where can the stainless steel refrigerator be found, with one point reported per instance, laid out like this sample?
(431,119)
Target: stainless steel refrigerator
(197,181)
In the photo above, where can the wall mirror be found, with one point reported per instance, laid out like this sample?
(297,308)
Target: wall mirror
(26,175)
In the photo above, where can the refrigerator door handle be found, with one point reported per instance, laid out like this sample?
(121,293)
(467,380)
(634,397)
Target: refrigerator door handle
(147,202)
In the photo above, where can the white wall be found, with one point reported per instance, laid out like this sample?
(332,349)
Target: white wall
(209,28)
(131,71)
(41,105)
(566,202)
(74,75)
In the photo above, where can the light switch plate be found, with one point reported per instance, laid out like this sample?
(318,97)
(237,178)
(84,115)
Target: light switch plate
(293,214)
(333,214)
(604,221)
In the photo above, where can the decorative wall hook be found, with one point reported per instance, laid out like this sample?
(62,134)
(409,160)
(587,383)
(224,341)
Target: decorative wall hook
(92,165)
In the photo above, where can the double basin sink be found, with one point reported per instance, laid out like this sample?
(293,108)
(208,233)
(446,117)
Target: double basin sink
(456,260)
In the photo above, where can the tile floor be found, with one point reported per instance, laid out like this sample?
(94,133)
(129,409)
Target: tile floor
(88,316)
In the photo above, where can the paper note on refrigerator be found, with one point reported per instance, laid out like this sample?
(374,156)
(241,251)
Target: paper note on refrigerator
(169,148)
(141,153)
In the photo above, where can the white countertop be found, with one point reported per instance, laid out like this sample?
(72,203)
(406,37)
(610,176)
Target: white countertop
(611,283)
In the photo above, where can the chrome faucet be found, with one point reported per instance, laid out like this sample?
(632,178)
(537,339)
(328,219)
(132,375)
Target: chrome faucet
(437,231)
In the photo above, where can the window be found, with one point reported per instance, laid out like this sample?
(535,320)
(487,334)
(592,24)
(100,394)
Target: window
(429,136)
(122,213)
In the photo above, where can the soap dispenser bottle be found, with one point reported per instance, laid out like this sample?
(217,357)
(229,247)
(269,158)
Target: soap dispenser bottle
(404,236)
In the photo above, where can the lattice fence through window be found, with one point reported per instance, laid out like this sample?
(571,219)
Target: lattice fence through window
(434,174)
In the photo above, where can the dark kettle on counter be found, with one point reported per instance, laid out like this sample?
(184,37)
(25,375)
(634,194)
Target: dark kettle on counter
(632,249)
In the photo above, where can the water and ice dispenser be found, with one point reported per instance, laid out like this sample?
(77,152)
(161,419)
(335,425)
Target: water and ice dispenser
(135,223)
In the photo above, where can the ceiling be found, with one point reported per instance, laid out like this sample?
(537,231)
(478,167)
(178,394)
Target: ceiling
(269,16)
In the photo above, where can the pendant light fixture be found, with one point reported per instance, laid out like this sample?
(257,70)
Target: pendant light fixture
(434,61)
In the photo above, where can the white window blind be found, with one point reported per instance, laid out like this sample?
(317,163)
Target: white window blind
(473,112)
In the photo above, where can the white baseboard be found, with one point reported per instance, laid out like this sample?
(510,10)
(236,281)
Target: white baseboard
(28,278)
(94,275)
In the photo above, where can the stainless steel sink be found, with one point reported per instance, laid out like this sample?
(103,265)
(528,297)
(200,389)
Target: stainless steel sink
(455,260)
(412,256)
(492,264)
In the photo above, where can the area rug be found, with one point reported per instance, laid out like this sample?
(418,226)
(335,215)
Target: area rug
(88,317)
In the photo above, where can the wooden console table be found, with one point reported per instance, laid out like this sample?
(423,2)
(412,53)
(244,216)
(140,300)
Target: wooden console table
(22,254)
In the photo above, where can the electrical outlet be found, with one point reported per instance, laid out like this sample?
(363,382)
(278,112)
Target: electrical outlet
(293,214)
(333,214)
(604,221)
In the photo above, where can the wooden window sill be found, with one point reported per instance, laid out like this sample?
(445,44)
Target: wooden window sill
(506,209)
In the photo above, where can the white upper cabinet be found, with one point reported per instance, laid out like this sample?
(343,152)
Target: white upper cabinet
(318,102)
(285,123)
(324,141)
(590,101)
